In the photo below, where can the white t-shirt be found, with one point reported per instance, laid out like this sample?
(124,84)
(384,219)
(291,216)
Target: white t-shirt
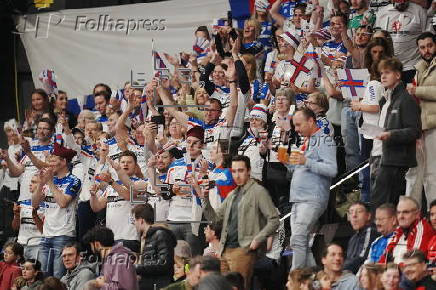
(372,96)
(119,216)
(404,27)
(61,221)
(12,182)
(29,235)
(40,151)
(377,149)
(250,148)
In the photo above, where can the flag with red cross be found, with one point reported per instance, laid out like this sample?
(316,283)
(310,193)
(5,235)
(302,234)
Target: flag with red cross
(299,70)
(353,82)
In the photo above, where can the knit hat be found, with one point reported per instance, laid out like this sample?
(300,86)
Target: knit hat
(293,40)
(63,152)
(323,34)
(259,111)
(196,132)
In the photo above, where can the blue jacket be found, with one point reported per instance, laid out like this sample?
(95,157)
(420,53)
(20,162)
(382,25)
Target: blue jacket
(378,248)
(311,181)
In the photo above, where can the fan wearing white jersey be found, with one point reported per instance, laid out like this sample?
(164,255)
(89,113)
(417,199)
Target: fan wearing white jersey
(115,197)
(58,188)
(28,221)
(212,123)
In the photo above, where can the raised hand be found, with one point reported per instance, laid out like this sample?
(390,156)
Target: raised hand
(230,73)
(236,46)
(45,175)
(25,145)
(115,165)
(172,59)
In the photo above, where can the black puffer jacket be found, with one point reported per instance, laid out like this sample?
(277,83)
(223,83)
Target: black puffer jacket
(157,259)
(403,120)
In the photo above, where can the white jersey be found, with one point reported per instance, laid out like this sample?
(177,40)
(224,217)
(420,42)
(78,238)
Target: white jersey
(61,221)
(119,216)
(212,132)
(12,182)
(29,235)
(250,148)
(160,205)
(40,152)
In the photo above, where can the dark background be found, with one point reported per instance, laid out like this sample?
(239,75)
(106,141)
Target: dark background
(15,76)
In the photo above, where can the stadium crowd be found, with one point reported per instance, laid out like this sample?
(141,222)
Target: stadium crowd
(217,174)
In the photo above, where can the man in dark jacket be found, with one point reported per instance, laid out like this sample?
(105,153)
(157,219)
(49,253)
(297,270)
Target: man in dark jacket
(156,262)
(401,121)
(359,216)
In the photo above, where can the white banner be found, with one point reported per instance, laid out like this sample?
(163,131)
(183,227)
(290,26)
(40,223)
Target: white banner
(106,44)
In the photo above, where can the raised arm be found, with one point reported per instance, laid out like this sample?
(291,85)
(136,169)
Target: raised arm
(15,170)
(167,100)
(275,8)
(35,160)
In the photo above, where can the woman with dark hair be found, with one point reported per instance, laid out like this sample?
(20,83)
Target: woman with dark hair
(217,183)
(60,104)
(386,36)
(319,104)
(32,274)
(376,50)
(10,266)
(40,104)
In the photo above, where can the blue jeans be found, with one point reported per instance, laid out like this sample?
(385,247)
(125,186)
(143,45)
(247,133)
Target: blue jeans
(30,252)
(49,254)
(304,216)
(350,134)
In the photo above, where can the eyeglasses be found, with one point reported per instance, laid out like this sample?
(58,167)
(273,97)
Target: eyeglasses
(211,110)
(309,103)
(406,211)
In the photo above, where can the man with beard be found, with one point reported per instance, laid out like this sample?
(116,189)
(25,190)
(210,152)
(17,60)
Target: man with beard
(404,21)
(424,88)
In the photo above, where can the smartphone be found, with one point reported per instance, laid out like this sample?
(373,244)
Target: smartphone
(158,120)
(233,34)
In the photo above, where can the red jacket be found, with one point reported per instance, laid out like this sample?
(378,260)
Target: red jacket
(8,272)
(419,236)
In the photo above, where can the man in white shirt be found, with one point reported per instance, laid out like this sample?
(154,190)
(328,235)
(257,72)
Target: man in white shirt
(59,189)
(115,197)
(405,21)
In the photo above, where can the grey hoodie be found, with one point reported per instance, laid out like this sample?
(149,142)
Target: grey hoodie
(347,281)
(77,278)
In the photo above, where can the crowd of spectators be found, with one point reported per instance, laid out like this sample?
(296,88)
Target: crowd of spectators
(215,174)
